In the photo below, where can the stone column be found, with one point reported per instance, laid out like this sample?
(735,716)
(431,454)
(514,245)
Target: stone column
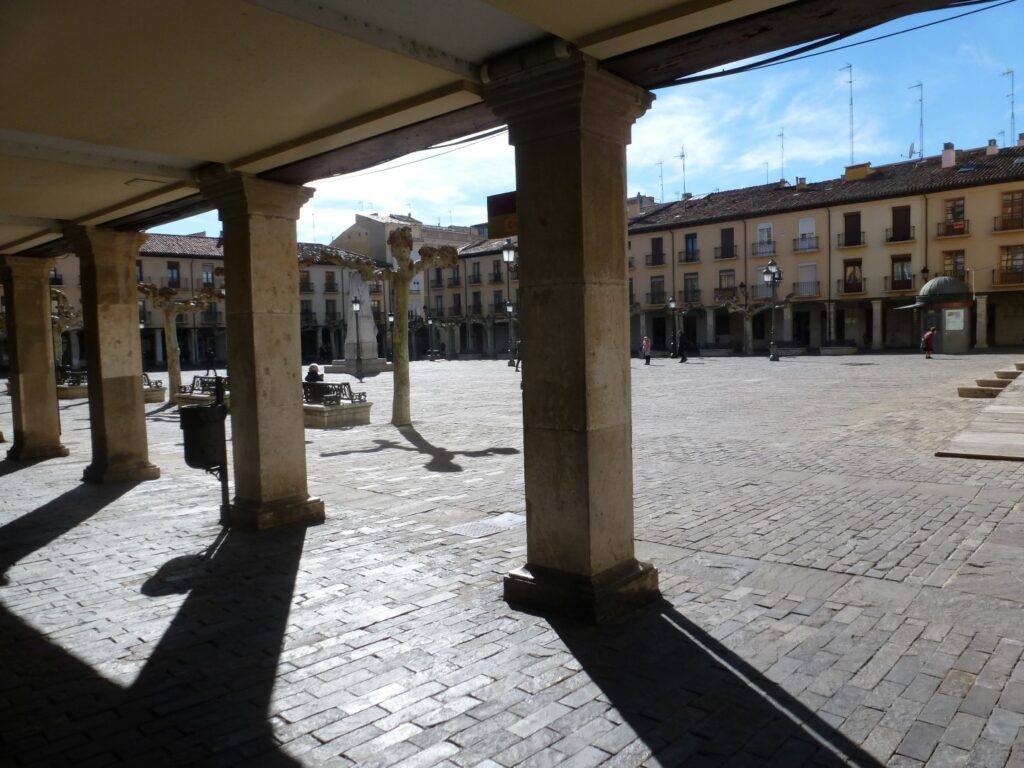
(981,323)
(262,310)
(709,326)
(877,342)
(158,345)
(787,322)
(570,123)
(830,320)
(110,321)
(748,334)
(76,348)
(32,382)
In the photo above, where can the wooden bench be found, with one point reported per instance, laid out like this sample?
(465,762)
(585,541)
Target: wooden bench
(202,385)
(330,393)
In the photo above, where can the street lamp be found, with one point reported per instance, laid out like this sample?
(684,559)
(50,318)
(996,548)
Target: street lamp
(430,338)
(508,255)
(391,325)
(772,276)
(359,352)
(675,324)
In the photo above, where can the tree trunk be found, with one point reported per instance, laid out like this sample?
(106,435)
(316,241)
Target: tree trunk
(401,411)
(173,354)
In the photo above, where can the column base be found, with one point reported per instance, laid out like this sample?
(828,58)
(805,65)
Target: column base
(594,599)
(20,452)
(251,515)
(120,473)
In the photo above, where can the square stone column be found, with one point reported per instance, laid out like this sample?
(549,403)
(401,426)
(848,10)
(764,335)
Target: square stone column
(110,318)
(981,323)
(32,381)
(264,353)
(787,322)
(570,123)
(877,342)
(709,326)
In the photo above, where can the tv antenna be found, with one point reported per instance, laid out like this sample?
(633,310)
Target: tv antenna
(1012,95)
(782,152)
(920,102)
(661,173)
(682,156)
(849,68)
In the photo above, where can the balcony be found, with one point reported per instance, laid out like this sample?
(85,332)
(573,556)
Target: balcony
(475,279)
(173,282)
(1008,276)
(1008,223)
(725,251)
(305,286)
(689,257)
(376,287)
(689,295)
(476,309)
(805,244)
(726,294)
(497,277)
(959,274)
(656,297)
(307,319)
(807,289)
(332,318)
(901,235)
(654,259)
(211,318)
(845,287)
(760,291)
(455,311)
(956,228)
(899,283)
(850,240)
(454,282)
(330,287)
(763,248)
(437,282)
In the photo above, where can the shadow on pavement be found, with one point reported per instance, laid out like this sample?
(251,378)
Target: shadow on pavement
(440,458)
(8,467)
(203,695)
(693,702)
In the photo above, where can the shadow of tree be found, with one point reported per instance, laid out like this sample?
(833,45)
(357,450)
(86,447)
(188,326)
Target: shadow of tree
(694,702)
(441,459)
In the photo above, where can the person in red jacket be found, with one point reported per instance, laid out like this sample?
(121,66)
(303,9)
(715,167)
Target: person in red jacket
(928,342)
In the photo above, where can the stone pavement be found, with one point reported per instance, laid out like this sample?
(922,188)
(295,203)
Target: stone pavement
(833,592)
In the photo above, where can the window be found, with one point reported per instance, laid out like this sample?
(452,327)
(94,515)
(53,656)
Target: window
(454,279)
(765,245)
(631,290)
(953,222)
(902,277)
(727,278)
(1011,265)
(657,256)
(207,275)
(305,309)
(496,271)
(691,252)
(657,294)
(727,248)
(901,229)
(853,281)
(691,289)
(474,275)
(457,304)
(808,240)
(1012,208)
(138,272)
(499,302)
(305,282)
(808,284)
(954,209)
(438,306)
(851,234)
(173,274)
(330,281)
(953,264)
(330,310)
(476,298)
(142,311)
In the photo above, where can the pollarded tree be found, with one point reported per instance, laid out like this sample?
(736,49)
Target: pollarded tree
(170,305)
(400,275)
(63,317)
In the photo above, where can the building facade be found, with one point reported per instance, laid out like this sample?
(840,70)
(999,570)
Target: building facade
(853,253)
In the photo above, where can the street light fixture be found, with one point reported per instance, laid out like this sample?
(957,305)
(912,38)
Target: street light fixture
(675,322)
(772,276)
(391,325)
(508,255)
(359,352)
(430,338)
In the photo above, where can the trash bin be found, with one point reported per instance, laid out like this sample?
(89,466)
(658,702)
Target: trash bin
(203,426)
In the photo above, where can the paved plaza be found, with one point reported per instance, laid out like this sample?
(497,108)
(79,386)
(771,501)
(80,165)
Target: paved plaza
(833,592)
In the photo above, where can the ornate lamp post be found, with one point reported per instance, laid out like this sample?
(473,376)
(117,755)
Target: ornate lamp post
(772,276)
(508,255)
(430,337)
(675,322)
(391,325)
(359,352)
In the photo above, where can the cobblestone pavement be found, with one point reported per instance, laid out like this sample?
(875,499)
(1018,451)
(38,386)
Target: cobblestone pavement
(833,592)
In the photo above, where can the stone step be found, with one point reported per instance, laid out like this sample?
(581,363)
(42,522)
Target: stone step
(992,382)
(1019,366)
(978,391)
(1008,374)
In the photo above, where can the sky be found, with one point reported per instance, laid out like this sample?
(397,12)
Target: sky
(729,127)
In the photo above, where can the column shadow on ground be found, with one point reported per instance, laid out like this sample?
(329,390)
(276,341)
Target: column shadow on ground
(694,702)
(441,459)
(202,697)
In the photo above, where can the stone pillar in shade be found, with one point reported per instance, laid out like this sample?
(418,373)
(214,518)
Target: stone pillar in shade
(709,326)
(569,123)
(158,346)
(877,342)
(830,320)
(748,334)
(110,321)
(787,322)
(981,327)
(265,360)
(32,379)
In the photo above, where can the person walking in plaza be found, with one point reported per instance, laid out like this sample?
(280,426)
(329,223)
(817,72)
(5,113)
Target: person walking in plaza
(646,350)
(681,347)
(928,342)
(211,360)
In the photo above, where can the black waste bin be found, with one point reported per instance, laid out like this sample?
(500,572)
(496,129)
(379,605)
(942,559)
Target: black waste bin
(203,426)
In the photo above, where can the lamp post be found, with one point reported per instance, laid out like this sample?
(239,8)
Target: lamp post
(508,255)
(359,352)
(772,276)
(430,337)
(391,325)
(675,322)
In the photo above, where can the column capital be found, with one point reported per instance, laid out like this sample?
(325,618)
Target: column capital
(241,194)
(103,240)
(25,266)
(569,95)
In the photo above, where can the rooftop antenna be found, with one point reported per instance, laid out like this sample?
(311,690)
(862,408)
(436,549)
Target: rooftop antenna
(920,102)
(661,173)
(682,156)
(1012,95)
(849,67)
(782,152)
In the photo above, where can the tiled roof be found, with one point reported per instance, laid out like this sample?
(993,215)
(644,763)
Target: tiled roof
(973,168)
(314,251)
(492,246)
(182,245)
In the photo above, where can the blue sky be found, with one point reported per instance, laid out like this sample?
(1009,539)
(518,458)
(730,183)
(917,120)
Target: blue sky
(730,126)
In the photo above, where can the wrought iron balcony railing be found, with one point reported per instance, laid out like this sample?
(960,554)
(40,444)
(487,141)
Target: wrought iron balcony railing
(725,251)
(901,235)
(899,282)
(689,257)
(850,240)
(807,288)
(851,286)
(1006,223)
(954,228)
(805,243)
(763,248)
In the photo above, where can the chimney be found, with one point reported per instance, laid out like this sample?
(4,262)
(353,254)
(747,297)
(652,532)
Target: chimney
(992,148)
(948,155)
(801,182)
(1020,139)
